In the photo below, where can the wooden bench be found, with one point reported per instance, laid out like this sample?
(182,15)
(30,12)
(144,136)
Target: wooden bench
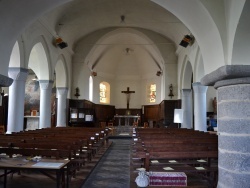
(158,148)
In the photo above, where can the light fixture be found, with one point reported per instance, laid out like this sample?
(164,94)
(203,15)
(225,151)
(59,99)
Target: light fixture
(60,43)
(94,73)
(77,92)
(128,51)
(158,73)
(122,19)
(171,91)
(187,40)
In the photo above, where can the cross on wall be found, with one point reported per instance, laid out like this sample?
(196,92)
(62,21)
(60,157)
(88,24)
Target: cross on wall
(127,93)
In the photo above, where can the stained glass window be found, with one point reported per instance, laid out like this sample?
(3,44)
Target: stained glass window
(104,92)
(152,95)
(103,95)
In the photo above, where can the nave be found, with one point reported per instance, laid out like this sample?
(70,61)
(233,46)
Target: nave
(119,159)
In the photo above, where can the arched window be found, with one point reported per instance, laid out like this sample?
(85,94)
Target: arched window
(152,95)
(104,93)
(90,88)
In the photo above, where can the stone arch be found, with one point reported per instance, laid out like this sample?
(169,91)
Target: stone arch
(241,47)
(12,31)
(213,58)
(62,78)
(155,52)
(199,71)
(15,57)
(187,74)
(39,60)
(204,26)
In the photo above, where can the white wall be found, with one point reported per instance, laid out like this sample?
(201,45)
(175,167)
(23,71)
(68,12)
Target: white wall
(171,78)
(211,93)
(81,80)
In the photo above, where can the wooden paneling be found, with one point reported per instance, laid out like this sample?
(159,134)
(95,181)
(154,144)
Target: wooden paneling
(101,112)
(72,103)
(151,112)
(161,114)
(81,104)
(166,115)
(104,112)
(4,111)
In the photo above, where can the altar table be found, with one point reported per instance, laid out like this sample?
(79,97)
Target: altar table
(127,118)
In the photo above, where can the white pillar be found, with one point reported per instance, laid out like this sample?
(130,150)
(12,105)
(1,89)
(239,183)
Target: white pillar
(61,106)
(200,107)
(186,105)
(16,99)
(45,103)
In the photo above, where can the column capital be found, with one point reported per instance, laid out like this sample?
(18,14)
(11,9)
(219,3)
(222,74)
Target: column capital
(198,88)
(186,92)
(228,75)
(18,73)
(62,90)
(46,84)
(5,81)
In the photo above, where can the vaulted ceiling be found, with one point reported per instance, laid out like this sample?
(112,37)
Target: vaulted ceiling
(117,36)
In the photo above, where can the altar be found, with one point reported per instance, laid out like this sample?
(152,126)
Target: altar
(31,123)
(127,119)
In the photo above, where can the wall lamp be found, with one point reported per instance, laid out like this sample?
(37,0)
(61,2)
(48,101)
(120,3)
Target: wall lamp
(94,73)
(60,43)
(158,73)
(187,40)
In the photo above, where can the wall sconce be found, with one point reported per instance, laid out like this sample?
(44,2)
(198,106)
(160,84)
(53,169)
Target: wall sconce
(94,73)
(171,91)
(187,40)
(77,92)
(158,73)
(60,43)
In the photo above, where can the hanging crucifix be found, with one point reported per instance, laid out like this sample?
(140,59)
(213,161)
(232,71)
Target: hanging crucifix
(128,95)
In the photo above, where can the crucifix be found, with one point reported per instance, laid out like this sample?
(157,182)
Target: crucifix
(128,92)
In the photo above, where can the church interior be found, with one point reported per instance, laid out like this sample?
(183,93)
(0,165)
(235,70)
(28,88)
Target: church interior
(135,93)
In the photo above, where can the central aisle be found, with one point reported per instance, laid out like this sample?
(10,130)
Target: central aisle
(113,170)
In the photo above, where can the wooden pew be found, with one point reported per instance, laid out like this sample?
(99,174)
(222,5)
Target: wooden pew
(184,147)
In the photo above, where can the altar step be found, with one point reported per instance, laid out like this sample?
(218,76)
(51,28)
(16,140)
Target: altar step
(122,132)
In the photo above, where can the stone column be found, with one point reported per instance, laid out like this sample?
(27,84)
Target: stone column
(200,107)
(233,91)
(186,105)
(45,103)
(16,99)
(61,106)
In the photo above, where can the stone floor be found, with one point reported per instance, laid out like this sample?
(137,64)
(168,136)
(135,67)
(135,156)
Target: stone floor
(113,170)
